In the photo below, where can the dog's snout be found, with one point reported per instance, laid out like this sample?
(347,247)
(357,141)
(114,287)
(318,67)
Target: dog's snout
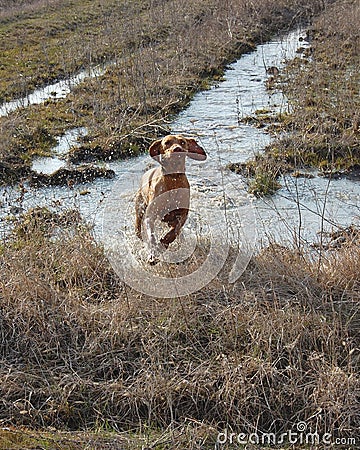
(178,149)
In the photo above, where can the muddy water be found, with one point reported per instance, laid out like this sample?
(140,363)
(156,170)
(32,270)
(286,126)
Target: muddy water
(298,211)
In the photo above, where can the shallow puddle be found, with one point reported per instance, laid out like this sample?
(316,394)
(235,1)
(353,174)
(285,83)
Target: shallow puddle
(50,164)
(60,89)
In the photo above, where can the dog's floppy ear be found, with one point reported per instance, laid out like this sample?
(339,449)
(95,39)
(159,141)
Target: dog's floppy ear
(155,149)
(195,151)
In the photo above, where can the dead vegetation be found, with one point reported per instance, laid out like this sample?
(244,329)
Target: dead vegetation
(325,122)
(322,128)
(79,350)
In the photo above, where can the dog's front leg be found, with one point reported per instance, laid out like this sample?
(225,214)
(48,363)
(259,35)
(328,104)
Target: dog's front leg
(154,252)
(175,230)
(140,208)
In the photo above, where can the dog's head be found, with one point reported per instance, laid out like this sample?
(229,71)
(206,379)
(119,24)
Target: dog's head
(176,147)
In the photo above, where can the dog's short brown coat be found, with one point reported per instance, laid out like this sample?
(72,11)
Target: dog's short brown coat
(165,191)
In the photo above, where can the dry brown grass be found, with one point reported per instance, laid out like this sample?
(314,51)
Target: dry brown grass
(82,351)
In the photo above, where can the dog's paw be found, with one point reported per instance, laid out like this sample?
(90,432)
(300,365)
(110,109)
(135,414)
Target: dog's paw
(153,260)
(154,255)
(155,251)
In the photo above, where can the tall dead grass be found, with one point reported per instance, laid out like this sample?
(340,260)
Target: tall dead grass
(79,350)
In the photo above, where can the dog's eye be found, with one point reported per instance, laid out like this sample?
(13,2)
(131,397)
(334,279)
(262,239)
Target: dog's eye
(182,142)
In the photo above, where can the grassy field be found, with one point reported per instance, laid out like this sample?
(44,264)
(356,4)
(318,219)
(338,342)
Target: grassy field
(81,351)
(88,363)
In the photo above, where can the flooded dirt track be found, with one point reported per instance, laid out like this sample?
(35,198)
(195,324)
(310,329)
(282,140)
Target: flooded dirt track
(299,210)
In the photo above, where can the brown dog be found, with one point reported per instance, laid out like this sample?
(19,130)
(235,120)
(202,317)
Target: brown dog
(164,193)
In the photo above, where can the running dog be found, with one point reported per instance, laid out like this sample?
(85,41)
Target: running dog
(164,192)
